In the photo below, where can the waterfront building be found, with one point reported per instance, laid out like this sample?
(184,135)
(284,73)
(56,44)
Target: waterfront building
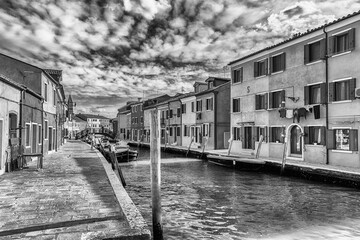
(300,95)
(137,121)
(124,121)
(188,119)
(213,114)
(74,127)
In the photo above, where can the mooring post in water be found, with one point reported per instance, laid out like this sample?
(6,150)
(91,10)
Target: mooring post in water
(284,156)
(192,140)
(117,169)
(230,145)
(205,143)
(259,146)
(155,174)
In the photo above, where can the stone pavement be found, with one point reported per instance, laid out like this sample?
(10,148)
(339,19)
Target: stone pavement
(71,198)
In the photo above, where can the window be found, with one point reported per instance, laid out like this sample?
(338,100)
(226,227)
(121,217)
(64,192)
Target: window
(277,63)
(185,130)
(315,94)
(209,104)
(183,108)
(342,42)
(236,133)
(277,99)
(260,131)
(210,85)
(13,125)
(45,92)
(314,135)
(261,101)
(342,90)
(192,106)
(40,133)
(345,139)
(167,114)
(178,112)
(199,105)
(178,131)
(46,129)
(206,129)
(171,131)
(54,97)
(260,68)
(170,113)
(27,134)
(314,51)
(236,104)
(237,75)
(277,134)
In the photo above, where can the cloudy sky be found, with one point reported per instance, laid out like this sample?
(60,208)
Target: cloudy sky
(115,51)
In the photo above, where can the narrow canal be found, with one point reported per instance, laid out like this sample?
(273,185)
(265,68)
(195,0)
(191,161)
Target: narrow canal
(205,201)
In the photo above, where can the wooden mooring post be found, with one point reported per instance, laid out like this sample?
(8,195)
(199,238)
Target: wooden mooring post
(259,146)
(230,145)
(284,156)
(192,140)
(117,169)
(155,148)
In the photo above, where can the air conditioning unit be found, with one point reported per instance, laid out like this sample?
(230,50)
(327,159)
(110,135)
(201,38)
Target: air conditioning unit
(198,116)
(357,92)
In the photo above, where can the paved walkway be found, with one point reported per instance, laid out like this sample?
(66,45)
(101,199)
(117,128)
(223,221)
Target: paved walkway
(71,198)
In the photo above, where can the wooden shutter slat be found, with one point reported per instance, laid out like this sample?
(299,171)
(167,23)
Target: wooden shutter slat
(270,66)
(267,66)
(253,139)
(256,69)
(283,61)
(257,102)
(351,39)
(270,134)
(271,100)
(322,49)
(306,95)
(331,92)
(306,53)
(266,101)
(323,95)
(330,136)
(233,75)
(242,137)
(323,135)
(306,135)
(353,136)
(352,88)
(331,46)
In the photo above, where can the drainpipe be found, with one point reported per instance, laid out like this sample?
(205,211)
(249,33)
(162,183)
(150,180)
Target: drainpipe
(20,120)
(327,89)
(56,132)
(181,129)
(42,133)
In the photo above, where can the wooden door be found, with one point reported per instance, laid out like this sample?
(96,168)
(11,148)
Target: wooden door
(295,140)
(34,138)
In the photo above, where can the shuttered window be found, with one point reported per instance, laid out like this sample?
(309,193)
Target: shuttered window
(261,101)
(315,94)
(192,106)
(236,133)
(342,90)
(315,135)
(342,42)
(277,99)
(178,112)
(237,75)
(236,104)
(277,63)
(314,51)
(344,139)
(276,134)
(183,108)
(261,68)
(209,104)
(261,131)
(199,105)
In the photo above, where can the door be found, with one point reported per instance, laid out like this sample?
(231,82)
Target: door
(50,138)
(34,138)
(1,143)
(295,141)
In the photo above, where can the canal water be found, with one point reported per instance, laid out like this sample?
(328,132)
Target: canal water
(205,201)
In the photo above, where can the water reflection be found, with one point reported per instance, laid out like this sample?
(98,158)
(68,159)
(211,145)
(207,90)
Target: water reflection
(204,201)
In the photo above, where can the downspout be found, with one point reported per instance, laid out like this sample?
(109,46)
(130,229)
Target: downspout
(181,129)
(42,133)
(56,132)
(327,90)
(215,120)
(20,121)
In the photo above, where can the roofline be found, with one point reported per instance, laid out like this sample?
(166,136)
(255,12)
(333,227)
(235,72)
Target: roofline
(296,36)
(7,80)
(212,90)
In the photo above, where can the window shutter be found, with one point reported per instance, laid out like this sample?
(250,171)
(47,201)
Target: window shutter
(270,134)
(233,75)
(323,95)
(253,135)
(241,72)
(256,70)
(243,140)
(211,104)
(353,146)
(306,53)
(257,102)
(270,66)
(330,136)
(267,66)
(265,134)
(234,133)
(270,100)
(331,92)
(266,100)
(351,39)
(306,95)
(209,129)
(306,135)
(283,61)
(322,49)
(352,88)
(282,95)
(331,49)
(323,135)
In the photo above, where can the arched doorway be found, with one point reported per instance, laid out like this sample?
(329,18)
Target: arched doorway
(295,141)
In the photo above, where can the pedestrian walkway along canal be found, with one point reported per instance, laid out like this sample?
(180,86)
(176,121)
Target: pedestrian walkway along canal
(205,201)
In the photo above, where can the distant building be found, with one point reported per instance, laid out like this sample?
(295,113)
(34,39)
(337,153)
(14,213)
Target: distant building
(95,123)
